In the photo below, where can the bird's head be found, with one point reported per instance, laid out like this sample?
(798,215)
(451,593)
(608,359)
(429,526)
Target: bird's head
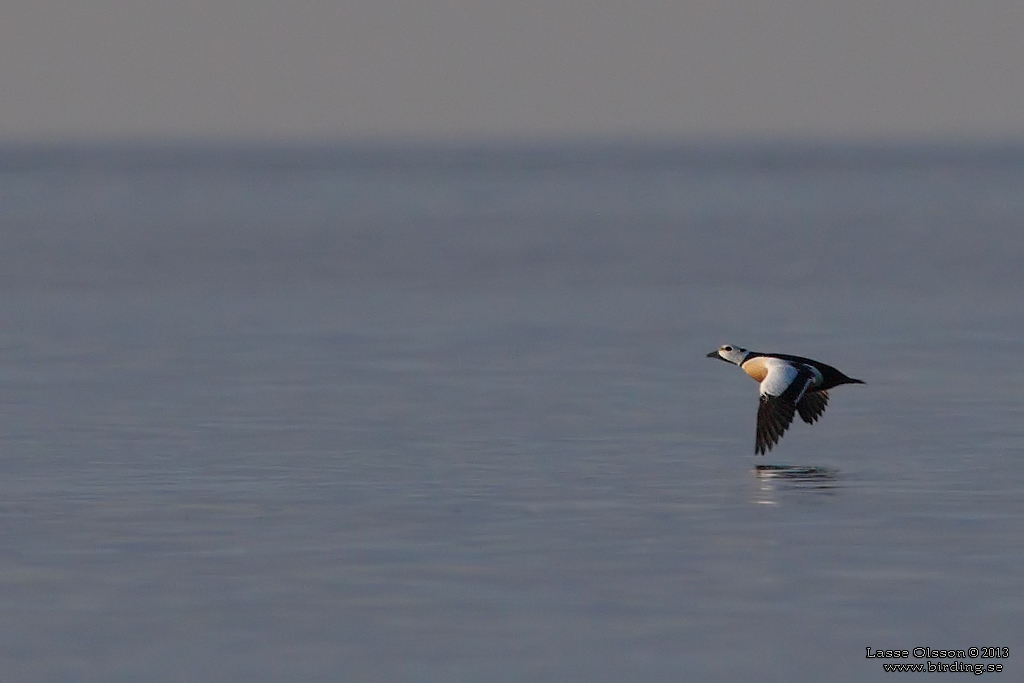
(730,353)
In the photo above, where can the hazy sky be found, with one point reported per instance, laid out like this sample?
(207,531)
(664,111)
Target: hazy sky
(471,69)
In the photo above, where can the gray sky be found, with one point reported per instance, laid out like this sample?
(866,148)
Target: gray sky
(463,69)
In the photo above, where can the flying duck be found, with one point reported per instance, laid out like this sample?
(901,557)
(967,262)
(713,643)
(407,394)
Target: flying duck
(789,384)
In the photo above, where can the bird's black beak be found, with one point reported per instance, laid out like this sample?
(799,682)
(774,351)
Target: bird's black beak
(714,354)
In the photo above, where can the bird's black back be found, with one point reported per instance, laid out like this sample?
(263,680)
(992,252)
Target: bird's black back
(830,376)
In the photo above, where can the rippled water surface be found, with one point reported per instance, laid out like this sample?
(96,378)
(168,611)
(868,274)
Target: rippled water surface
(445,415)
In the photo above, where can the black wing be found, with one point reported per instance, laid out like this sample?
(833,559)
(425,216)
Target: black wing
(812,405)
(775,413)
(774,416)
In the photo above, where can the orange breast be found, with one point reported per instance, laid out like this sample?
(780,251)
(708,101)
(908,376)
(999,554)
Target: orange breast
(756,368)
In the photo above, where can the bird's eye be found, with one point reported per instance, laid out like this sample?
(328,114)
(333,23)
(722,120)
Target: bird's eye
(727,348)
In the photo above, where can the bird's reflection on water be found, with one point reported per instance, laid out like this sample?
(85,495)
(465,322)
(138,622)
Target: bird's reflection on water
(773,479)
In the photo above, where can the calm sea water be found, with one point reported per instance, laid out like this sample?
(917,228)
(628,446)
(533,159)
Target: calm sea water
(445,415)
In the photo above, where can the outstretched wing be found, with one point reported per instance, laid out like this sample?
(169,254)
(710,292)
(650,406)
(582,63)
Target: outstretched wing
(774,416)
(812,405)
(782,389)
